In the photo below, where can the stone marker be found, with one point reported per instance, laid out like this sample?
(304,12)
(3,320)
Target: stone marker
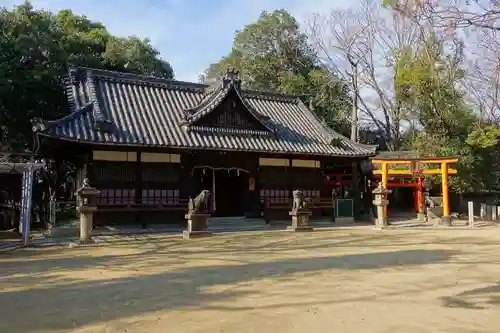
(482,211)
(301,215)
(197,216)
(470,210)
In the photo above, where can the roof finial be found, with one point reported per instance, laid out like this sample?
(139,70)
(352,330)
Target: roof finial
(231,78)
(311,104)
(76,76)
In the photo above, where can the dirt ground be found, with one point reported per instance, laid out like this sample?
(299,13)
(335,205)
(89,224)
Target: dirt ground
(349,280)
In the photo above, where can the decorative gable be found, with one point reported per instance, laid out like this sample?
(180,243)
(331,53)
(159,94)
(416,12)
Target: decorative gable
(223,108)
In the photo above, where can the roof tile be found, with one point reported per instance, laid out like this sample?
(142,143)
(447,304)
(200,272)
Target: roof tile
(148,111)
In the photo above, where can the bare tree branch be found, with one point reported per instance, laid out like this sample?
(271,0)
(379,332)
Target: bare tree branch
(365,43)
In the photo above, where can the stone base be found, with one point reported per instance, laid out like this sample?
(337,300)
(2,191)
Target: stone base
(421,217)
(195,234)
(301,220)
(377,227)
(344,219)
(300,229)
(446,221)
(197,222)
(83,242)
(381,224)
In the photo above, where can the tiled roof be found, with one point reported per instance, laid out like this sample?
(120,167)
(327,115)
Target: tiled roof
(127,109)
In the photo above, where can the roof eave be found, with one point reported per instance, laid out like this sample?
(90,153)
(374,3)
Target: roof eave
(136,145)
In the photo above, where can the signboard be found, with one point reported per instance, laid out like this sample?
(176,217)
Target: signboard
(344,208)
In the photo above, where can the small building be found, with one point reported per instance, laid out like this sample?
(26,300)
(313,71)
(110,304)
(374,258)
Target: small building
(149,144)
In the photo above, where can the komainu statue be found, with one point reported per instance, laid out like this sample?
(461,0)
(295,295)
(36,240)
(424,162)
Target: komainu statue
(199,205)
(299,203)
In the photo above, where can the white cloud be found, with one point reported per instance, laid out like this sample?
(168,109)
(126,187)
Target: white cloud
(189,34)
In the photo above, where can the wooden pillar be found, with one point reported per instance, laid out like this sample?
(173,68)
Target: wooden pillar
(385,176)
(355,190)
(139,186)
(446,198)
(420,199)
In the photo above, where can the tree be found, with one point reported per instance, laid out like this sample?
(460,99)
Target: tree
(35,50)
(430,86)
(361,45)
(273,54)
(482,14)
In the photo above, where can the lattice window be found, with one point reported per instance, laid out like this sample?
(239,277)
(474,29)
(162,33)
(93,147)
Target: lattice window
(312,194)
(160,173)
(303,178)
(110,197)
(114,172)
(160,197)
(274,177)
(160,184)
(275,196)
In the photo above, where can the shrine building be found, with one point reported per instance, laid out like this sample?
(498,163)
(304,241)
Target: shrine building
(148,144)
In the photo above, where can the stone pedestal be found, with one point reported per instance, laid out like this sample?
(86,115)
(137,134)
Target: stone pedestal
(446,220)
(381,203)
(301,221)
(197,225)
(381,221)
(86,225)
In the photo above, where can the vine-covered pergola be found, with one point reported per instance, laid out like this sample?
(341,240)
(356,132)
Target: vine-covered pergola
(409,164)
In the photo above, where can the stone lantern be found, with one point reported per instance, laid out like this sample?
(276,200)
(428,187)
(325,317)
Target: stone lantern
(380,194)
(87,205)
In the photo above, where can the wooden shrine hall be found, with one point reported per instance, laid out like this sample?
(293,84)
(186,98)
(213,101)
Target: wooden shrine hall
(148,144)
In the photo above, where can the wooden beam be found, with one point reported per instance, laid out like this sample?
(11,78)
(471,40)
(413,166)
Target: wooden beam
(448,160)
(395,172)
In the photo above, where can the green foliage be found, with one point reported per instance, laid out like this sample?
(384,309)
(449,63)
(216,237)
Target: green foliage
(484,137)
(35,49)
(273,54)
(426,84)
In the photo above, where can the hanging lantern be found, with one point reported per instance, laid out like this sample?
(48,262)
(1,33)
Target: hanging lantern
(203,171)
(238,172)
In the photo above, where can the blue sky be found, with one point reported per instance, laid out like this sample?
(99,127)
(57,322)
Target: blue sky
(190,34)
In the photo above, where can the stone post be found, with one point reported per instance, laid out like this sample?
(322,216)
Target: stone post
(489,212)
(470,210)
(197,216)
(482,211)
(494,215)
(301,215)
(87,205)
(380,201)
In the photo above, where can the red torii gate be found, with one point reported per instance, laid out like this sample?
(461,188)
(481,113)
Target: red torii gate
(411,175)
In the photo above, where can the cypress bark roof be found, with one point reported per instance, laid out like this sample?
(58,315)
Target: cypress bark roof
(133,110)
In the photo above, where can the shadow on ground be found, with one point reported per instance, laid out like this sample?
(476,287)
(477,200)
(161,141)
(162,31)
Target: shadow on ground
(478,298)
(89,302)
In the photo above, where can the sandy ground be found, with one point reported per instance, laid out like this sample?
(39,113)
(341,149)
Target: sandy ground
(350,280)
